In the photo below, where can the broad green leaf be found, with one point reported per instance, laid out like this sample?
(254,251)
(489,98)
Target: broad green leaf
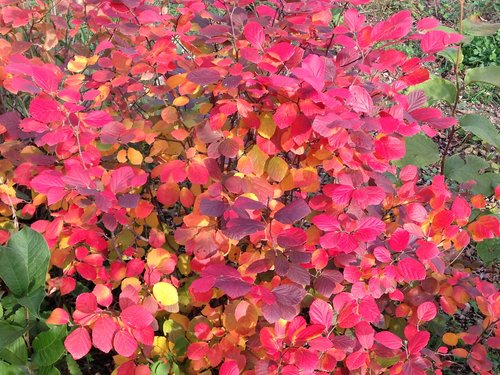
(9,333)
(160,368)
(438,89)
(33,301)
(387,361)
(73,367)
(7,369)
(473,25)
(15,353)
(486,74)
(451,54)
(48,346)
(489,250)
(459,170)
(24,262)
(481,127)
(48,370)
(420,151)
(486,183)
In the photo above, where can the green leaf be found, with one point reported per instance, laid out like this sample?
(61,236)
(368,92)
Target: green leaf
(33,301)
(481,127)
(486,74)
(473,25)
(420,151)
(48,346)
(24,262)
(9,333)
(48,370)
(7,369)
(438,89)
(73,367)
(486,183)
(456,169)
(461,171)
(489,250)
(15,353)
(451,54)
(160,368)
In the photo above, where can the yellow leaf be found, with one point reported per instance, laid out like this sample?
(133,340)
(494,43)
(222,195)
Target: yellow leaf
(267,126)
(165,293)
(180,101)
(277,169)
(258,158)
(134,156)
(78,64)
(184,264)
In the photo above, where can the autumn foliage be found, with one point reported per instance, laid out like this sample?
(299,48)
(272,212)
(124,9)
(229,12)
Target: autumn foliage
(217,182)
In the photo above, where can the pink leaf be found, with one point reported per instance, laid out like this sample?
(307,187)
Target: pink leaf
(390,148)
(321,312)
(254,33)
(427,250)
(369,228)
(229,368)
(78,343)
(45,109)
(365,334)
(102,333)
(356,360)
(360,100)
(340,194)
(312,71)
(388,339)
(137,317)
(411,269)
(124,343)
(426,311)
(418,342)
(46,78)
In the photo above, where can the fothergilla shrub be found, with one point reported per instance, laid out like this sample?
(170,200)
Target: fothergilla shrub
(219,187)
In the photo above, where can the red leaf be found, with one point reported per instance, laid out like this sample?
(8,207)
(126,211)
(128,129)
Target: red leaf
(321,312)
(365,334)
(46,78)
(45,109)
(426,311)
(368,229)
(124,343)
(388,339)
(340,194)
(360,100)
(427,250)
(418,342)
(102,333)
(356,360)
(197,350)
(254,33)
(411,269)
(390,148)
(461,210)
(312,71)
(78,343)
(96,119)
(137,317)
(293,212)
(229,368)
(203,76)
